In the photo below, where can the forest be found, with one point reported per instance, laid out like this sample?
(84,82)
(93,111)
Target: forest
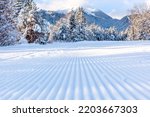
(22,22)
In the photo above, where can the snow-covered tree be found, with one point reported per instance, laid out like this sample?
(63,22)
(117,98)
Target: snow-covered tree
(44,28)
(63,33)
(112,34)
(94,33)
(18,5)
(72,27)
(33,27)
(8,32)
(80,24)
(26,16)
(60,31)
(140,23)
(123,35)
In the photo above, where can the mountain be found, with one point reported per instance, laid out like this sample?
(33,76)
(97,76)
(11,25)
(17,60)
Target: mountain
(97,17)
(100,18)
(51,16)
(123,24)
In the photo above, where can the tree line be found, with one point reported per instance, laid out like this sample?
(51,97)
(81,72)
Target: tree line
(21,22)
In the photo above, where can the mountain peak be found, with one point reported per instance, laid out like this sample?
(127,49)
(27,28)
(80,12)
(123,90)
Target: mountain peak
(86,9)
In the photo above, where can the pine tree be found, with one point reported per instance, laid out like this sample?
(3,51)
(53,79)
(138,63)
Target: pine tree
(26,15)
(30,23)
(60,31)
(123,35)
(18,5)
(72,27)
(112,34)
(80,24)
(44,26)
(94,33)
(8,32)
(26,21)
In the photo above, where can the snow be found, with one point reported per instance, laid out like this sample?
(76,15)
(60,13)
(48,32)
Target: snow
(90,11)
(37,28)
(83,70)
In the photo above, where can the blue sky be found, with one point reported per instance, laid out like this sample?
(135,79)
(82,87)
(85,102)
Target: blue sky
(115,8)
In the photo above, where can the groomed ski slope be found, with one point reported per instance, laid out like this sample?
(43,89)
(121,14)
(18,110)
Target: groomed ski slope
(76,71)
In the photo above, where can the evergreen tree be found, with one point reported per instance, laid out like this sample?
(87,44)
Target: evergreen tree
(18,5)
(26,21)
(41,26)
(72,27)
(60,31)
(26,15)
(63,33)
(80,24)
(94,33)
(112,34)
(8,32)
(33,27)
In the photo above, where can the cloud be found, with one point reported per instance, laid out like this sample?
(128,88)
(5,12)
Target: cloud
(126,2)
(115,8)
(115,14)
(62,4)
(43,6)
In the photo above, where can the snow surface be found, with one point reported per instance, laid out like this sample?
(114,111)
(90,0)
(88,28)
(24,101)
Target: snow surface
(82,70)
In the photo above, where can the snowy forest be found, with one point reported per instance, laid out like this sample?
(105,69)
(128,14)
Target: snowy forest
(21,21)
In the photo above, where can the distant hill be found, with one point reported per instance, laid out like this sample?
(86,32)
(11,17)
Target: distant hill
(97,17)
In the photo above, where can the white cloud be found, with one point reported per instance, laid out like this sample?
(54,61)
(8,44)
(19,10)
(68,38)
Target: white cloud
(126,2)
(63,4)
(115,8)
(43,6)
(115,14)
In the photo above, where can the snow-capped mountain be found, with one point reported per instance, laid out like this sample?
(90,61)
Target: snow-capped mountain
(123,23)
(100,18)
(93,16)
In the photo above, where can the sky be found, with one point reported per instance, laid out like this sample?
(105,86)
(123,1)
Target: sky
(114,8)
